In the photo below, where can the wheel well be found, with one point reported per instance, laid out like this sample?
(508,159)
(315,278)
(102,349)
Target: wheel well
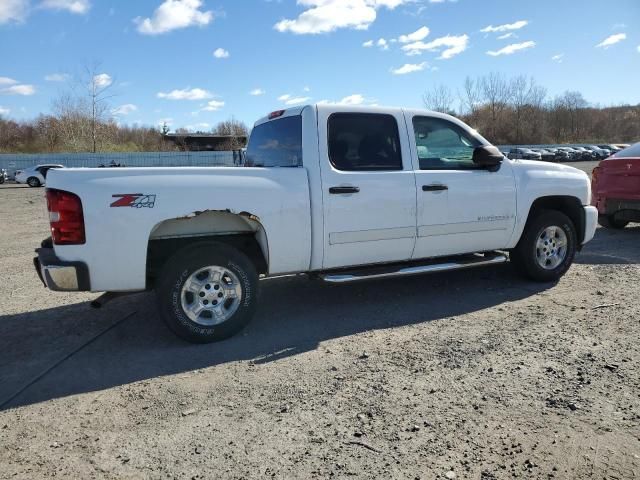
(570,206)
(160,250)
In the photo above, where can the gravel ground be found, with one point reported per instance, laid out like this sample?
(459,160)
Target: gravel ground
(475,374)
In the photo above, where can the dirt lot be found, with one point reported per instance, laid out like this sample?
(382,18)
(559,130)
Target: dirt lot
(474,374)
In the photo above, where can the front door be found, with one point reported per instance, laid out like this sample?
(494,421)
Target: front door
(368,188)
(461,208)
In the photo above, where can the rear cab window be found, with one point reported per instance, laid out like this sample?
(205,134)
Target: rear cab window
(276,143)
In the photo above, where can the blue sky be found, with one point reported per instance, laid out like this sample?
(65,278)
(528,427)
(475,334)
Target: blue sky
(196,62)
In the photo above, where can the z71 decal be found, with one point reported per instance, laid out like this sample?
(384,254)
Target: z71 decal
(135,200)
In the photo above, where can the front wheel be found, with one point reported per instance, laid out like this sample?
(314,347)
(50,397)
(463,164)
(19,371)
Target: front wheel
(33,182)
(610,221)
(547,247)
(207,292)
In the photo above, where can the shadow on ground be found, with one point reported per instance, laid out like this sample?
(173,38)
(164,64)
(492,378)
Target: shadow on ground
(295,316)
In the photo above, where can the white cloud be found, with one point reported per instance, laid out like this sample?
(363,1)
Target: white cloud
(73,6)
(56,77)
(25,90)
(324,16)
(13,10)
(506,27)
(7,81)
(382,43)
(172,15)
(285,97)
(186,94)
(416,36)
(354,99)
(295,100)
(213,106)
(126,109)
(306,89)
(558,58)
(612,40)
(256,92)
(638,48)
(511,49)
(451,45)
(409,68)
(506,35)
(102,80)
(368,44)
(221,53)
(4,111)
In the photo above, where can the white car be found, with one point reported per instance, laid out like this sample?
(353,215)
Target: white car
(339,192)
(35,176)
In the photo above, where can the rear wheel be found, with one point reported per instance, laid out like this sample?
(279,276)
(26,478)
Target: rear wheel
(207,292)
(33,182)
(610,221)
(547,247)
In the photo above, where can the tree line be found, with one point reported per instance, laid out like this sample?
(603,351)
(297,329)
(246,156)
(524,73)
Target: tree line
(505,110)
(513,111)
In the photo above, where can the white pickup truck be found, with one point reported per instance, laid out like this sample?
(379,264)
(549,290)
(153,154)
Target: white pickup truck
(343,193)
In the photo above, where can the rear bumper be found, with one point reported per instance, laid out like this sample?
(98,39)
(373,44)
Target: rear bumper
(61,276)
(590,223)
(622,207)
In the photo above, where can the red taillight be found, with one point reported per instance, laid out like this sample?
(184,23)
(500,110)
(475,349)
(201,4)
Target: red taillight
(276,114)
(65,217)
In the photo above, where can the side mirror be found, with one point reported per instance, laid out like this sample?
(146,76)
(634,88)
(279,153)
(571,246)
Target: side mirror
(487,156)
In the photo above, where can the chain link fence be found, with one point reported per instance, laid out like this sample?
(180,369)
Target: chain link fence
(12,162)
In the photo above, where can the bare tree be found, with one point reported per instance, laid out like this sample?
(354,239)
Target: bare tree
(471,98)
(236,130)
(439,98)
(496,95)
(99,92)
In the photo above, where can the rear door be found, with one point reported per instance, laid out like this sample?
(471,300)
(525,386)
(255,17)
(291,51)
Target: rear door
(368,187)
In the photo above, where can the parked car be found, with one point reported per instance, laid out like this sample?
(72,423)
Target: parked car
(342,207)
(520,153)
(597,152)
(4,176)
(612,148)
(35,176)
(585,155)
(545,155)
(560,155)
(573,153)
(616,188)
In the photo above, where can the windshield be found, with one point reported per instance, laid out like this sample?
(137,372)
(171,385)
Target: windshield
(631,152)
(277,143)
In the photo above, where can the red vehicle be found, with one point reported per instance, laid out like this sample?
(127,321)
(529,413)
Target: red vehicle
(615,188)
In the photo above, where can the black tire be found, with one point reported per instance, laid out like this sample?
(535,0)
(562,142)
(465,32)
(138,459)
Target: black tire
(33,182)
(610,221)
(525,256)
(187,262)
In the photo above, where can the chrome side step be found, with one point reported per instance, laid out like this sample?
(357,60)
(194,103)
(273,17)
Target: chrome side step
(453,263)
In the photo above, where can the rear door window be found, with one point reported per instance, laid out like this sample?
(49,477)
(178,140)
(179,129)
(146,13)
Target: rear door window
(277,143)
(364,142)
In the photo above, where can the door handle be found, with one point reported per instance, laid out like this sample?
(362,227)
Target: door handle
(343,190)
(434,188)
